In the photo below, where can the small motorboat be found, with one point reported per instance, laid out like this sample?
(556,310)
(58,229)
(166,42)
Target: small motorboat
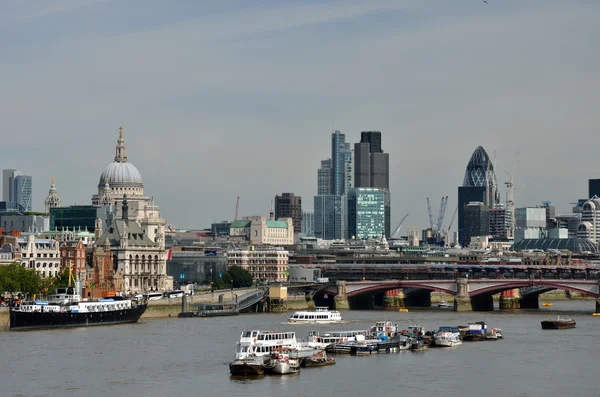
(559,323)
(319,360)
(418,345)
(444,305)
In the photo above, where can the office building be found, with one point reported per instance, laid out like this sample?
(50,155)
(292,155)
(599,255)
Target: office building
(499,222)
(330,217)
(23,191)
(589,228)
(528,223)
(366,213)
(220,229)
(289,206)
(476,221)
(308,223)
(324,178)
(263,264)
(479,185)
(259,230)
(8,184)
(371,169)
(594,188)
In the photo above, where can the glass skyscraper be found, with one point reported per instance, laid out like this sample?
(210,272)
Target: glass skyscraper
(330,217)
(22,191)
(366,213)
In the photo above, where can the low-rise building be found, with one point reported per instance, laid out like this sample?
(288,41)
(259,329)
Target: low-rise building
(41,255)
(263,264)
(258,230)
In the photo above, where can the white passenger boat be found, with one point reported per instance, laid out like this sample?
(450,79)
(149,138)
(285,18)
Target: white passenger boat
(331,338)
(284,361)
(264,343)
(447,339)
(321,315)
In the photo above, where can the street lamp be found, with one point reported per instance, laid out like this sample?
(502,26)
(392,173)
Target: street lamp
(231,290)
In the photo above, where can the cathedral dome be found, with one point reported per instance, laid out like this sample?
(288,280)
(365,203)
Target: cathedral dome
(120,173)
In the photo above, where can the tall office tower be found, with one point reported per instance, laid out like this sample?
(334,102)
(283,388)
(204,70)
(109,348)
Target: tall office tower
(348,168)
(8,184)
(324,178)
(22,191)
(308,223)
(499,222)
(289,206)
(594,188)
(338,162)
(366,213)
(330,217)
(371,169)
(477,221)
(479,185)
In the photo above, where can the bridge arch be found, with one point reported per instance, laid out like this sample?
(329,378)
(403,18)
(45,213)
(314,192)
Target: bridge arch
(550,284)
(391,286)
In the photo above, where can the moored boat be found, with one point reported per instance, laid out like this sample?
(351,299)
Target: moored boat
(443,305)
(418,345)
(447,339)
(559,323)
(249,366)
(264,343)
(319,360)
(67,309)
(321,315)
(283,362)
(473,332)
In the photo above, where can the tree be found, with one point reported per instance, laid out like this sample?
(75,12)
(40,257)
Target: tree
(16,278)
(241,277)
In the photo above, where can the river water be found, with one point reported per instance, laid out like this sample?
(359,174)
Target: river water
(190,357)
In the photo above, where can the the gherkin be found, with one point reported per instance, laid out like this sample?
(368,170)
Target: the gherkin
(480,172)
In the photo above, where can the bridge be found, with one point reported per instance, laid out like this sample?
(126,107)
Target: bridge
(471,286)
(251,298)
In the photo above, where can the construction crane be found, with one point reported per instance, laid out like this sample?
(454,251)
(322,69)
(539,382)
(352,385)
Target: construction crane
(440,218)
(430,215)
(397,231)
(447,231)
(510,198)
(237,207)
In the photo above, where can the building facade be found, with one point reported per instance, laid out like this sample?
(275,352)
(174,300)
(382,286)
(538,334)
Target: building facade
(41,255)
(73,255)
(32,223)
(264,265)
(330,217)
(196,266)
(308,223)
(477,221)
(594,187)
(324,178)
(260,230)
(589,227)
(23,191)
(366,213)
(8,184)
(289,206)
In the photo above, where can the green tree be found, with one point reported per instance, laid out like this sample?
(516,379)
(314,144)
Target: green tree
(241,277)
(16,278)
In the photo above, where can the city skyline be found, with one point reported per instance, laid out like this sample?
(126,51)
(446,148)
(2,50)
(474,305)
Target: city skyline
(437,83)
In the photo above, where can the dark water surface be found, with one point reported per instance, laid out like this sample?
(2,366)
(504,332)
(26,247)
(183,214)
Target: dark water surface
(190,357)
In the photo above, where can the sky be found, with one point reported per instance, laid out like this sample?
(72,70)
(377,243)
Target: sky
(239,98)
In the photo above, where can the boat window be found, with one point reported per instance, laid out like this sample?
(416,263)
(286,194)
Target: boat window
(254,333)
(261,337)
(246,334)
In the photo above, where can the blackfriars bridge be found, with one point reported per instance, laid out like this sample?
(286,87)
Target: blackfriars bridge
(471,287)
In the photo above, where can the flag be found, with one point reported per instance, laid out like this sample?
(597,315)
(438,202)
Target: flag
(169,254)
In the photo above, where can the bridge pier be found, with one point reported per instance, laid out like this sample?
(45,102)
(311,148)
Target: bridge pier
(597,305)
(394,298)
(510,299)
(530,302)
(462,300)
(341,299)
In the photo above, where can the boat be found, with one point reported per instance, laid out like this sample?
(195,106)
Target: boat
(418,345)
(283,361)
(212,310)
(446,339)
(443,304)
(319,360)
(414,330)
(498,332)
(66,308)
(249,366)
(473,332)
(547,304)
(321,315)
(363,349)
(264,343)
(329,339)
(559,323)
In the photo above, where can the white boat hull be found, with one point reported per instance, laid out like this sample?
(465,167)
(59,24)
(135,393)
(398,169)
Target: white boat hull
(286,368)
(295,321)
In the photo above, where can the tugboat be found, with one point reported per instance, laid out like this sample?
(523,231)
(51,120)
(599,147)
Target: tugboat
(559,323)
(67,309)
(249,366)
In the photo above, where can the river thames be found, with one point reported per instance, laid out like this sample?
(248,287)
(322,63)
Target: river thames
(190,357)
